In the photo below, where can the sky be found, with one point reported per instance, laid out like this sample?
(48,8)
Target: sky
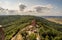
(40,7)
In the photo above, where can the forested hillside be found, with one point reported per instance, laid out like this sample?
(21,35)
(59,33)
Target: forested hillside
(30,28)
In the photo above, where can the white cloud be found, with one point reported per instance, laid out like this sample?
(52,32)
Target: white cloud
(43,10)
(9,5)
(37,10)
(40,8)
(59,12)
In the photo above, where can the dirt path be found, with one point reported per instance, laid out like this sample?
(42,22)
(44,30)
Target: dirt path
(17,37)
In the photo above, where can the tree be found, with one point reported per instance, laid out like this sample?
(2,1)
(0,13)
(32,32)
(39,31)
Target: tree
(47,37)
(32,37)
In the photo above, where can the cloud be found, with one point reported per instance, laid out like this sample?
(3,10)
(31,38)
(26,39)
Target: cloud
(59,12)
(43,8)
(29,10)
(22,7)
(9,5)
(39,8)
(0,2)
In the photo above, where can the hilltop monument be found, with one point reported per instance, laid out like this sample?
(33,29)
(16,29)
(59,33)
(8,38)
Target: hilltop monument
(33,23)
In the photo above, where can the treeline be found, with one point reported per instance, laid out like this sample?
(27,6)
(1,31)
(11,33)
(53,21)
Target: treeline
(12,28)
(48,33)
(13,24)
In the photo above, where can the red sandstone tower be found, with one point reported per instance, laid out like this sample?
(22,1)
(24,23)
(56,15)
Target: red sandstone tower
(33,23)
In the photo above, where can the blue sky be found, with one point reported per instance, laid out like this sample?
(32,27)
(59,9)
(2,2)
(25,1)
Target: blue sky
(14,4)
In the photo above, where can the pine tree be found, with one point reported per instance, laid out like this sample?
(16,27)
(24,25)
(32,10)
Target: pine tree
(47,37)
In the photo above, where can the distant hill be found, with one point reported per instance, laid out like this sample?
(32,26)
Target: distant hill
(51,16)
(45,29)
(57,19)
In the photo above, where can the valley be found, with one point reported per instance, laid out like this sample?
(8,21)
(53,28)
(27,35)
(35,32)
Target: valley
(55,20)
(28,27)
